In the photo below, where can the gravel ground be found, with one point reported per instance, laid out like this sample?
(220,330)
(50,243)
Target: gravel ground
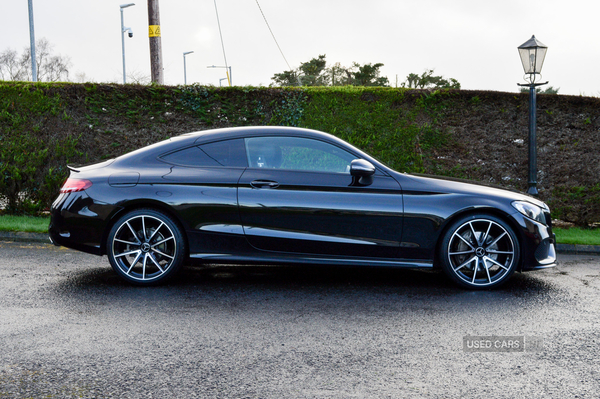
(69,328)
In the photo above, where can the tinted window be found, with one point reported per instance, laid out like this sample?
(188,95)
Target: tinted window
(298,154)
(221,153)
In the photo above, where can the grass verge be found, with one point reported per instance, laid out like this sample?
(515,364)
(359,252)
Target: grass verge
(573,235)
(578,236)
(27,224)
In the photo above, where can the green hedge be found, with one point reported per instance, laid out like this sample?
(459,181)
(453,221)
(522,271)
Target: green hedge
(43,127)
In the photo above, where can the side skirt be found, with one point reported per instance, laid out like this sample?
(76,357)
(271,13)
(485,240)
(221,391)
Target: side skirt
(250,259)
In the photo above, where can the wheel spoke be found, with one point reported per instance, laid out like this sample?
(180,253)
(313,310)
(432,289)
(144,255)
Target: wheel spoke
(475,270)
(496,263)
(461,253)
(137,251)
(155,231)
(496,240)
(144,266)
(474,234)
(162,254)
(162,241)
(492,251)
(144,229)
(133,232)
(156,263)
(465,264)
(487,233)
(466,242)
(137,258)
(127,242)
(487,271)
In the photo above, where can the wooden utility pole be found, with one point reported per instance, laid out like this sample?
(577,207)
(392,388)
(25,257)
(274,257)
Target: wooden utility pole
(155,43)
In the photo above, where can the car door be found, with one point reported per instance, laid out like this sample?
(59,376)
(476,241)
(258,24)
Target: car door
(202,186)
(298,196)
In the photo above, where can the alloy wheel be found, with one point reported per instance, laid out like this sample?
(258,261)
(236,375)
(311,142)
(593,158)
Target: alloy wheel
(481,253)
(144,248)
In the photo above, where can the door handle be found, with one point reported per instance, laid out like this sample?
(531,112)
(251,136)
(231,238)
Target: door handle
(264,184)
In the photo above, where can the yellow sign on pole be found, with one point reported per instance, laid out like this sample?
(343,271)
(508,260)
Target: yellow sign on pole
(154,31)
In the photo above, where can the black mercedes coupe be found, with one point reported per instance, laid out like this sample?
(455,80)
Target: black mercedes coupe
(280,195)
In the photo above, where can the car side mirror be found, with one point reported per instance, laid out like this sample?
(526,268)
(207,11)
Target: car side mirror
(362,172)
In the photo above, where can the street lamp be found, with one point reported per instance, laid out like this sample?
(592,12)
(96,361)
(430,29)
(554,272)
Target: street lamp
(34,74)
(532,54)
(123,30)
(227,72)
(184,69)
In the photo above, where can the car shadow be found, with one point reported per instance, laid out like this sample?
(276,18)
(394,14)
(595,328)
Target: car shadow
(224,280)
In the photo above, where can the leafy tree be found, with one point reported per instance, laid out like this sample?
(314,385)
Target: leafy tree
(50,67)
(368,75)
(551,90)
(287,78)
(315,73)
(312,73)
(340,76)
(427,80)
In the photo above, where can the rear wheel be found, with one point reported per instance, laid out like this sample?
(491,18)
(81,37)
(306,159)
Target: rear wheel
(145,247)
(479,252)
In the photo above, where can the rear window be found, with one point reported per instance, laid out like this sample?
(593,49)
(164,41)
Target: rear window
(229,153)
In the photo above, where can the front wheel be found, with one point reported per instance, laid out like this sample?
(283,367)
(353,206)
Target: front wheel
(479,252)
(145,247)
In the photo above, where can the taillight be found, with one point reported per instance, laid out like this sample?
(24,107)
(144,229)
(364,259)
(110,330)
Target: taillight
(74,185)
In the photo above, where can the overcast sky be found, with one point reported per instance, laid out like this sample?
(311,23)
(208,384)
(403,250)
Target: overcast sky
(473,41)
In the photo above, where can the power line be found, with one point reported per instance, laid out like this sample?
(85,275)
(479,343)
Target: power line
(265,18)
(222,45)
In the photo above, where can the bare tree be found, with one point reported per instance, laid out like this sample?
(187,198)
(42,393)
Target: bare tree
(139,78)
(12,66)
(50,67)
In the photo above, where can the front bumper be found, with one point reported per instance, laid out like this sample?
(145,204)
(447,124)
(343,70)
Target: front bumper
(539,244)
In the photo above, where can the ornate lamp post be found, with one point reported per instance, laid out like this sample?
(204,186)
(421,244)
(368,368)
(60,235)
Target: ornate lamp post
(532,54)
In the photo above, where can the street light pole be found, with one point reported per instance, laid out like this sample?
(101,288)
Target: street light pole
(32,41)
(227,69)
(532,54)
(184,67)
(123,30)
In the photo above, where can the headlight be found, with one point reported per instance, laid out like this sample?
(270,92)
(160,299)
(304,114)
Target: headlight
(531,211)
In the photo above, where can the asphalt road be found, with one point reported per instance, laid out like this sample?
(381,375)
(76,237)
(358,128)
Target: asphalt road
(69,328)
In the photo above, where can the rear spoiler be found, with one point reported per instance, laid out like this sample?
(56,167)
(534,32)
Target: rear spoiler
(76,168)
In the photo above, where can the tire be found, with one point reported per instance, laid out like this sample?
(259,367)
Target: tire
(479,252)
(145,247)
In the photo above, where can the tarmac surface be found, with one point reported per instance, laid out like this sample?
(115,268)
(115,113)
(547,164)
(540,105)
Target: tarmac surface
(70,328)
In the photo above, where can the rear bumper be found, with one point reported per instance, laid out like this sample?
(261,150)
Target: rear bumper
(63,238)
(76,222)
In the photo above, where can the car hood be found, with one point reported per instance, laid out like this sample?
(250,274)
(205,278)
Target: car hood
(443,184)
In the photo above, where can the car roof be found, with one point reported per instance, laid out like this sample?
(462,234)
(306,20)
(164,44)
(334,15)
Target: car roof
(152,151)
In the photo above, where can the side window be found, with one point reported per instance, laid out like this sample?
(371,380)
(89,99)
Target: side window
(296,153)
(221,153)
